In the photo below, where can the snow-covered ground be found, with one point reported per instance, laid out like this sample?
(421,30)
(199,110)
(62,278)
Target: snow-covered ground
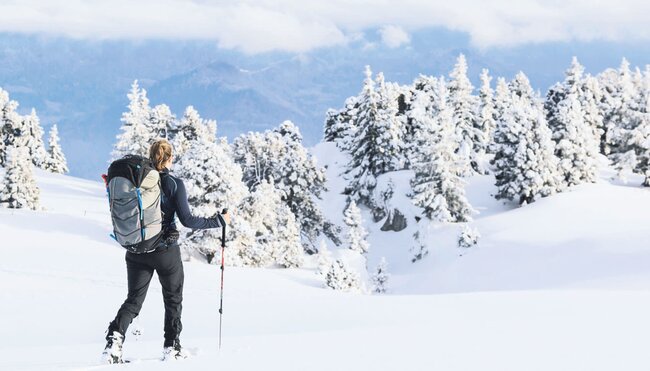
(561,284)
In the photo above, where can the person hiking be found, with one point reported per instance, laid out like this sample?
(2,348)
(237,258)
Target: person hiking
(165,260)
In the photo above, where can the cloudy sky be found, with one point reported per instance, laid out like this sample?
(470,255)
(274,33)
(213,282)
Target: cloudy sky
(255,26)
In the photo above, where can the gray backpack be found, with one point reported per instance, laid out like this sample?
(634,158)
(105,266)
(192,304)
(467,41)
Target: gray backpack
(134,194)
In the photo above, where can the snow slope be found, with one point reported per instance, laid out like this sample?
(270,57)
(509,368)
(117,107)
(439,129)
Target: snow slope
(557,285)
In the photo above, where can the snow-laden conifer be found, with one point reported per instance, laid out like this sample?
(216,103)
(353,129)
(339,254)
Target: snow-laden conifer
(356,234)
(190,128)
(525,166)
(576,146)
(213,181)
(279,156)
(275,229)
(10,124)
(19,189)
(56,161)
(162,122)
(380,277)
(31,137)
(577,141)
(340,277)
(468,237)
(437,187)
(466,123)
(135,137)
(324,258)
(340,124)
(486,116)
(375,147)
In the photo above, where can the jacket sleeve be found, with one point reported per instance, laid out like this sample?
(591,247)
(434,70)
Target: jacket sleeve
(185,215)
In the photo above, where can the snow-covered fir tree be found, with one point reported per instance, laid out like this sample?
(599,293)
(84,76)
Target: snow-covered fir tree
(280,157)
(380,277)
(135,137)
(324,258)
(525,166)
(213,181)
(468,237)
(10,125)
(376,144)
(276,231)
(466,123)
(420,111)
(576,146)
(637,140)
(339,125)
(590,98)
(19,189)
(620,116)
(356,235)
(437,187)
(190,128)
(55,162)
(301,181)
(487,116)
(162,122)
(31,136)
(340,277)
(577,143)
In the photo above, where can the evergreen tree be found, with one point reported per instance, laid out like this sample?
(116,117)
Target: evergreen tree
(276,232)
(468,237)
(19,189)
(136,136)
(468,128)
(324,258)
(487,115)
(375,147)
(192,128)
(524,163)
(56,162)
(10,125)
(576,146)
(437,187)
(637,140)
(420,111)
(590,99)
(577,143)
(31,136)
(339,125)
(213,181)
(621,117)
(340,277)
(162,122)
(356,235)
(380,278)
(279,156)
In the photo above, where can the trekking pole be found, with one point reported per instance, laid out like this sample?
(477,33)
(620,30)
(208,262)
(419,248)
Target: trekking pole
(223,248)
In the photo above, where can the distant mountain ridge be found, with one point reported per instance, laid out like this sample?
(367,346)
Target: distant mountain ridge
(82,85)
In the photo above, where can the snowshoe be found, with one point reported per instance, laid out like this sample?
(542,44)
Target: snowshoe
(113,350)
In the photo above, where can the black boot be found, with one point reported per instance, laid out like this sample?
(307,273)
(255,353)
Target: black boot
(173,351)
(113,350)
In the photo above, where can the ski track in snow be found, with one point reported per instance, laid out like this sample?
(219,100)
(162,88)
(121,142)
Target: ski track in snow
(561,284)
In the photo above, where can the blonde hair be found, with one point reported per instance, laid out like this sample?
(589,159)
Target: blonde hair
(160,152)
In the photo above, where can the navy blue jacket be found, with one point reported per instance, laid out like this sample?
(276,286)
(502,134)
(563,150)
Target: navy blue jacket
(174,203)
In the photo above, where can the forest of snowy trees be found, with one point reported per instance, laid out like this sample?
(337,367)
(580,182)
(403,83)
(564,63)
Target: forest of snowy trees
(268,181)
(21,149)
(440,130)
(445,130)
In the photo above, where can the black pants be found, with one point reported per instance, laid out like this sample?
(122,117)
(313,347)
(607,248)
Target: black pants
(140,267)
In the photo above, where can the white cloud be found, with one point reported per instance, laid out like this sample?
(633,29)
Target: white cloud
(297,25)
(394,36)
